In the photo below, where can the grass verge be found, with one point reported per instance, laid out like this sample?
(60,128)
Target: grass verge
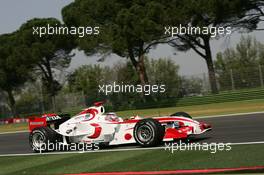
(141,160)
(196,110)
(13,127)
(202,110)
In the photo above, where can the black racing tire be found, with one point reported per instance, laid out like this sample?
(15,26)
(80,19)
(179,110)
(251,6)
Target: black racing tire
(148,132)
(184,114)
(40,137)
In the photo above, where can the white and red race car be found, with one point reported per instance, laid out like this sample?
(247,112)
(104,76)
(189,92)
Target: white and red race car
(93,125)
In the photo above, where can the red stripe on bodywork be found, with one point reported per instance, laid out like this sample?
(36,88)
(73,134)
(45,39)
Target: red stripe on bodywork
(125,122)
(172,133)
(90,111)
(161,120)
(93,112)
(197,171)
(166,119)
(97,131)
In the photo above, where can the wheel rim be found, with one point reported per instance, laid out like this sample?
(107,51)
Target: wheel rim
(144,133)
(38,140)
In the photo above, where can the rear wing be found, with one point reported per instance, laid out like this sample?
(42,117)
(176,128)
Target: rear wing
(47,120)
(35,122)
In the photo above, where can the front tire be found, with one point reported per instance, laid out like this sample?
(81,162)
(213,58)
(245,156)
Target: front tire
(149,132)
(40,137)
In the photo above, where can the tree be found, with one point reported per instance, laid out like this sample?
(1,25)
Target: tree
(49,53)
(191,86)
(214,13)
(164,71)
(87,79)
(15,67)
(131,28)
(242,63)
(253,13)
(128,28)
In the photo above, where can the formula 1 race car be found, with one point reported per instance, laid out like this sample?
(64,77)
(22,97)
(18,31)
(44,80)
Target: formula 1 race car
(93,125)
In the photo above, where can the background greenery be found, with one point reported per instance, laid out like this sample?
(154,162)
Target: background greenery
(33,76)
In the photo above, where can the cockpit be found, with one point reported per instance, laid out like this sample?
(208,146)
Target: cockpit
(112,117)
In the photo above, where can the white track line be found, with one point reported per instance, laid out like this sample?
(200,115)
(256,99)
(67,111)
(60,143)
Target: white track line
(82,152)
(110,150)
(227,115)
(13,132)
(200,117)
(248,143)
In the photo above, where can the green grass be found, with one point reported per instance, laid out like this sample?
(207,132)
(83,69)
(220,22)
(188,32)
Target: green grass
(141,160)
(196,110)
(202,110)
(13,127)
(226,96)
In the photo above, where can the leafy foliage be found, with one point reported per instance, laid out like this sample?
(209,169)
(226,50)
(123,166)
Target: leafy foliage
(127,28)
(242,63)
(49,53)
(88,78)
(15,66)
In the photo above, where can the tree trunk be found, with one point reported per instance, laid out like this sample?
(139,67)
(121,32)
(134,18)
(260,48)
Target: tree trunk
(141,70)
(50,82)
(12,103)
(142,74)
(210,65)
(139,65)
(50,78)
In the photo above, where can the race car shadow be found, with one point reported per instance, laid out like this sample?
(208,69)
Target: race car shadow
(199,139)
(134,145)
(105,147)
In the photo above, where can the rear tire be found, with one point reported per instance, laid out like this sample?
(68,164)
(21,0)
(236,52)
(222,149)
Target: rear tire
(148,132)
(184,114)
(40,137)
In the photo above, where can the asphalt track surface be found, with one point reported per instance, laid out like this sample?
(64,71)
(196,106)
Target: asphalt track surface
(226,129)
